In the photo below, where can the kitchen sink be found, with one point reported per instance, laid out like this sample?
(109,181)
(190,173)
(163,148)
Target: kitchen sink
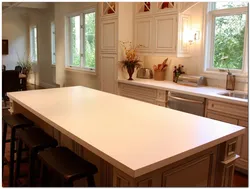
(235,95)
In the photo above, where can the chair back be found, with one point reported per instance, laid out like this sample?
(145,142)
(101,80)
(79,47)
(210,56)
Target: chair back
(18,68)
(10,81)
(3,67)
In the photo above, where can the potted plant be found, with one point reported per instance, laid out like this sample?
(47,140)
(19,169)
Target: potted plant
(26,64)
(132,60)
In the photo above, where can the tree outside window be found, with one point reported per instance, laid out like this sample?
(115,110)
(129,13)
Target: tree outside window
(227,34)
(82,41)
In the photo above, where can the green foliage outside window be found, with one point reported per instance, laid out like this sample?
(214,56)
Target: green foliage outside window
(229,38)
(90,40)
(75,51)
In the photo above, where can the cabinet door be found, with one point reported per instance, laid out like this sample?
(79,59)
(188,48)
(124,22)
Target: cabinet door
(166,33)
(108,73)
(143,34)
(219,117)
(109,36)
(242,148)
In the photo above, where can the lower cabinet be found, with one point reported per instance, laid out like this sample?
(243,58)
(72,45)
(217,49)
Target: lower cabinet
(229,113)
(145,94)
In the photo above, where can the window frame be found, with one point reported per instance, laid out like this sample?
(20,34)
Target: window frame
(210,16)
(33,44)
(68,63)
(53,42)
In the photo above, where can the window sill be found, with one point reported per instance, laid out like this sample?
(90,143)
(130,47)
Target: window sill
(53,65)
(240,77)
(80,70)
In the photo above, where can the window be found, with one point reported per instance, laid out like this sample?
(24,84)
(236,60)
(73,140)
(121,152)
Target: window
(53,44)
(82,40)
(227,36)
(33,43)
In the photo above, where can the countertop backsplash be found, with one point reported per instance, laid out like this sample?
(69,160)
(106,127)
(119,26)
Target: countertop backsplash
(189,68)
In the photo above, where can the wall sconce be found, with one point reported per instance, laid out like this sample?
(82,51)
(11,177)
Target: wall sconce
(194,36)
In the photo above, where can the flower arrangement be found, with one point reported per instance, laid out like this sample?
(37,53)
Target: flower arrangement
(177,72)
(132,59)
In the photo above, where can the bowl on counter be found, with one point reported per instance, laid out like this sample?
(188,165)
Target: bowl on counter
(145,73)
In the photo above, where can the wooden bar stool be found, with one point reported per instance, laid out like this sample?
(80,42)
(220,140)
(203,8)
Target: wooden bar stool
(69,166)
(15,122)
(36,140)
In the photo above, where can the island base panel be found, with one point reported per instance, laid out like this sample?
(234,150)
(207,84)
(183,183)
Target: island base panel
(211,167)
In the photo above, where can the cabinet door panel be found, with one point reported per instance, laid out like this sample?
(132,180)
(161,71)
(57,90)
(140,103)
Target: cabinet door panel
(108,36)
(243,148)
(108,73)
(221,118)
(143,33)
(166,29)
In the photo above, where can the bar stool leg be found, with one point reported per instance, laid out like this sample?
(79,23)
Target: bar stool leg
(12,148)
(3,144)
(44,175)
(18,161)
(31,174)
(67,183)
(91,181)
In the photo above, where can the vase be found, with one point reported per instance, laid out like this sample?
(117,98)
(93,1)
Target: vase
(130,70)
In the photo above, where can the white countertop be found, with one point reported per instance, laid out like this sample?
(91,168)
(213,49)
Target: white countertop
(134,136)
(202,91)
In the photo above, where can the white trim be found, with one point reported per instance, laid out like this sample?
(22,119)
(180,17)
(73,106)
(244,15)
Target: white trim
(52,36)
(80,70)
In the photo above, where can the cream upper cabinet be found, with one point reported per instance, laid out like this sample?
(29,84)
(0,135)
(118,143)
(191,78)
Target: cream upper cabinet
(187,5)
(165,33)
(143,33)
(108,73)
(183,45)
(109,36)
(108,9)
(160,28)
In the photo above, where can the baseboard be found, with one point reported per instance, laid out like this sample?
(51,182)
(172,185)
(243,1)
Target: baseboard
(47,85)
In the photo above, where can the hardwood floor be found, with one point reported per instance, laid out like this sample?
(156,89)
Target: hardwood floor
(240,180)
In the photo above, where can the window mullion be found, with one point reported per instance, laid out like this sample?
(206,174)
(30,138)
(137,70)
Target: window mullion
(82,44)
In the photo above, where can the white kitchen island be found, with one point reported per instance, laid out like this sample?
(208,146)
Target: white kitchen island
(133,143)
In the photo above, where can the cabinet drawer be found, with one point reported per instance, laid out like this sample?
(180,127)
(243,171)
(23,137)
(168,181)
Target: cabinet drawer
(232,109)
(149,100)
(138,91)
(221,118)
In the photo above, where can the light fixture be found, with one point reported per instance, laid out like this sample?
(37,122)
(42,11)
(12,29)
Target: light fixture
(194,35)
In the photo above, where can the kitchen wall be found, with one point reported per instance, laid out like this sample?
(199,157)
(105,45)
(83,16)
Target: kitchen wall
(14,28)
(42,18)
(70,77)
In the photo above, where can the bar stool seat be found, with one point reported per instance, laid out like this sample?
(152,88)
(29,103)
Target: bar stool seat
(36,140)
(68,165)
(15,122)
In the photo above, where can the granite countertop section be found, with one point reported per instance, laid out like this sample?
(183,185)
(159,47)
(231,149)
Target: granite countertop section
(202,91)
(134,136)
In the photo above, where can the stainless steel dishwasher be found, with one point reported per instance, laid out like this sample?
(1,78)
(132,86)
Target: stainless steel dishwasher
(186,103)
